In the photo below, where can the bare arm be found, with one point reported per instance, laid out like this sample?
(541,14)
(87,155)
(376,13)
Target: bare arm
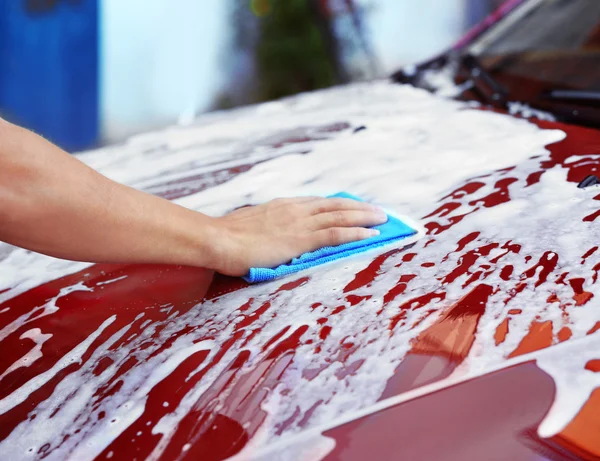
(52,203)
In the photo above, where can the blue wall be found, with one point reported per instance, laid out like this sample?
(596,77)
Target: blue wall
(49,68)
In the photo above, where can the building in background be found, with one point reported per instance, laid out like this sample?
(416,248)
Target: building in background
(83,72)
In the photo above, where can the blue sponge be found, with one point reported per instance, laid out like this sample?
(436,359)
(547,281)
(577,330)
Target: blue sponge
(392,230)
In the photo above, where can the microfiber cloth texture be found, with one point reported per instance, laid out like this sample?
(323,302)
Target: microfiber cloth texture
(391,231)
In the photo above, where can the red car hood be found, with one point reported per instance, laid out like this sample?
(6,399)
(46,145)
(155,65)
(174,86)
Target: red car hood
(476,342)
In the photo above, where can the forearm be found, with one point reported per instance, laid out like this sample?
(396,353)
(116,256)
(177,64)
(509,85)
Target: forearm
(54,204)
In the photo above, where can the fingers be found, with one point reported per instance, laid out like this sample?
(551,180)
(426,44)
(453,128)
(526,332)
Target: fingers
(348,218)
(339,235)
(339,204)
(294,200)
(304,199)
(249,210)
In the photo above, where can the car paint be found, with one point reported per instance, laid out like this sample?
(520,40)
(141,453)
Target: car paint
(500,410)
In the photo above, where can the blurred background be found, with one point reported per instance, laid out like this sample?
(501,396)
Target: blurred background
(89,72)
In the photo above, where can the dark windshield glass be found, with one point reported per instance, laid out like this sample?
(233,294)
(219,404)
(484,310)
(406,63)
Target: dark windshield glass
(556,43)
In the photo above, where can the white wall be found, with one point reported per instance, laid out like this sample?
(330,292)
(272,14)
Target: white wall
(409,31)
(160,61)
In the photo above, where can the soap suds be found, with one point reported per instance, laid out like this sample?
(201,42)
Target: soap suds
(526,111)
(47,309)
(36,335)
(419,155)
(74,356)
(552,360)
(574,383)
(116,279)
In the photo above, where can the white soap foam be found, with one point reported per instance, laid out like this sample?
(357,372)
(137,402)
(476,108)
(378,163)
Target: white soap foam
(36,335)
(106,282)
(416,149)
(22,270)
(525,110)
(574,383)
(292,448)
(74,356)
(38,312)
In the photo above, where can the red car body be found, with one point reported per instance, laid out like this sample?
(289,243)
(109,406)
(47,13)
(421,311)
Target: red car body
(130,362)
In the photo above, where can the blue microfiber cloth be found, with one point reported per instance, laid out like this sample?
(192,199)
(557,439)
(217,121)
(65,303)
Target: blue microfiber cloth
(392,230)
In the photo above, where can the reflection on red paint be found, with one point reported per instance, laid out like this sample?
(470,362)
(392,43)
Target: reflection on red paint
(368,274)
(469,188)
(291,285)
(354,299)
(581,434)
(467,260)
(338,309)
(581,296)
(324,333)
(249,318)
(349,369)
(595,328)
(437,351)
(587,254)
(398,289)
(506,272)
(82,312)
(564,334)
(593,365)
(275,338)
(538,337)
(220,438)
(500,195)
(495,414)
(501,332)
(547,264)
(154,409)
(462,243)
(413,304)
(444,210)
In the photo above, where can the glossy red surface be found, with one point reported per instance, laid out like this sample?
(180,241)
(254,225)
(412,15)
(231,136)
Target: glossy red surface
(492,417)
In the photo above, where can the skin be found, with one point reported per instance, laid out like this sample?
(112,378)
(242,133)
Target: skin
(52,203)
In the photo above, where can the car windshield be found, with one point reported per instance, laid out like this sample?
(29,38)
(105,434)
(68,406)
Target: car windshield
(555,43)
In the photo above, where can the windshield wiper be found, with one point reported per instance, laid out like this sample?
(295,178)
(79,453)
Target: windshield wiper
(580,107)
(411,75)
(580,96)
(486,86)
(571,106)
(482,83)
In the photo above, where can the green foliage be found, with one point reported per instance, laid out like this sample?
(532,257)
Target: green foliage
(291,53)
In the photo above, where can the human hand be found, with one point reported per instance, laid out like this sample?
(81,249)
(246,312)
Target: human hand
(276,232)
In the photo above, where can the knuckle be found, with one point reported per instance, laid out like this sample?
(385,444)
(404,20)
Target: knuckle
(334,235)
(320,209)
(340,218)
(338,203)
